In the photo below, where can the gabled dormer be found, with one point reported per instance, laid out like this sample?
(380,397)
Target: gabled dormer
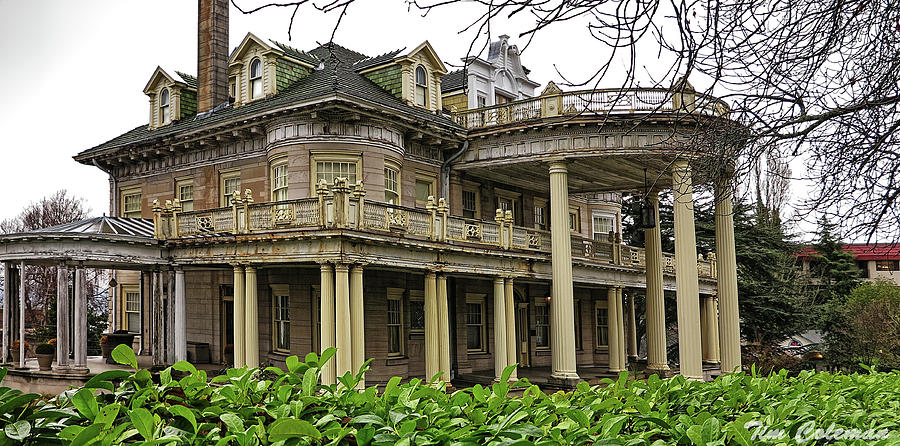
(414,77)
(258,69)
(172,97)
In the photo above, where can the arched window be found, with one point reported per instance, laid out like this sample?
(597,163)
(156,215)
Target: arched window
(164,115)
(421,87)
(256,85)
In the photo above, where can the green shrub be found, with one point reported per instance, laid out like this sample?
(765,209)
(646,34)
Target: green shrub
(275,407)
(44,349)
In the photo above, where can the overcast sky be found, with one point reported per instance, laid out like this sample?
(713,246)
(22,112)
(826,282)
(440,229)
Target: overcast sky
(74,71)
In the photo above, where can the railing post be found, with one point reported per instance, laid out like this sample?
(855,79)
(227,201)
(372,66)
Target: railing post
(618,247)
(322,192)
(157,211)
(551,101)
(248,199)
(341,202)
(359,194)
(235,215)
(713,271)
(444,211)
(176,209)
(431,207)
(508,218)
(499,218)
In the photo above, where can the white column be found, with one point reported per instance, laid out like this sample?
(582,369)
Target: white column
(80,322)
(443,327)
(511,357)
(7,322)
(710,326)
(326,308)
(239,336)
(631,333)
(357,322)
(620,313)
(612,311)
(344,357)
(170,318)
(251,319)
(726,268)
(499,327)
(22,316)
(62,316)
(686,281)
(432,343)
(562,311)
(657,357)
(180,325)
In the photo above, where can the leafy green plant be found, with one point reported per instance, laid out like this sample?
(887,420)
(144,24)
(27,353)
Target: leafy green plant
(44,348)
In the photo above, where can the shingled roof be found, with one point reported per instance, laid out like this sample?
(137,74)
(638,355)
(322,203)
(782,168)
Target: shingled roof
(381,59)
(454,80)
(336,75)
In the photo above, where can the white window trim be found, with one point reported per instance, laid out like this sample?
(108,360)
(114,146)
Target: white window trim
(135,190)
(598,305)
(183,182)
(167,105)
(397,294)
(577,211)
(415,296)
(603,214)
(543,302)
(227,174)
(275,163)
(280,290)
(480,299)
(315,157)
(392,164)
(125,289)
(250,79)
(425,177)
(425,99)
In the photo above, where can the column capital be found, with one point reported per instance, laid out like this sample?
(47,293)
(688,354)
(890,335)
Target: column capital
(559,166)
(342,267)
(250,269)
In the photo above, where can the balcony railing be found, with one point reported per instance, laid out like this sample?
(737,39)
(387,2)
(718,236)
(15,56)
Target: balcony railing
(344,207)
(593,102)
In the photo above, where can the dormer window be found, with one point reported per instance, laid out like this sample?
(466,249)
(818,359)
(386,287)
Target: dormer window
(164,113)
(256,84)
(421,86)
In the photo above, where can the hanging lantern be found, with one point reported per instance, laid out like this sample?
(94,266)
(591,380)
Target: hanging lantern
(648,214)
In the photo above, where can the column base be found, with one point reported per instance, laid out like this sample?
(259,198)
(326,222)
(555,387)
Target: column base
(565,380)
(79,370)
(62,369)
(662,371)
(711,362)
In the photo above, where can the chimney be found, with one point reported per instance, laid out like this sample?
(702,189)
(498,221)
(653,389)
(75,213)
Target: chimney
(212,54)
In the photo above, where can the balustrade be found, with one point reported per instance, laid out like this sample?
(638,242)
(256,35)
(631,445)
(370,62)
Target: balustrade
(341,208)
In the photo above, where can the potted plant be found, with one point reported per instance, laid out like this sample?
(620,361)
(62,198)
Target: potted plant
(106,347)
(14,349)
(45,352)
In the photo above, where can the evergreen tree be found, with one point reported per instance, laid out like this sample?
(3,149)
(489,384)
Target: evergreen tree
(833,269)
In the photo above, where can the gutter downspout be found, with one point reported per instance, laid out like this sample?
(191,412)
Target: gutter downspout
(445,170)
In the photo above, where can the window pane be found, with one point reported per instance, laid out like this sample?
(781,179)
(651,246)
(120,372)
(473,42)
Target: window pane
(475,326)
(423,191)
(229,186)
(420,95)
(330,170)
(420,76)
(469,203)
(416,315)
(391,187)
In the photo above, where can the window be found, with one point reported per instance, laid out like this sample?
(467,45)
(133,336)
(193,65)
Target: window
(131,204)
(470,204)
(577,309)
(132,306)
(281,318)
(256,83)
(184,190)
(482,101)
(425,186)
(391,183)
(602,326)
(417,312)
(500,99)
(229,182)
(164,114)
(331,170)
(421,87)
(603,225)
(395,322)
(542,325)
(279,180)
(574,220)
(316,318)
(475,329)
(886,265)
(508,201)
(540,214)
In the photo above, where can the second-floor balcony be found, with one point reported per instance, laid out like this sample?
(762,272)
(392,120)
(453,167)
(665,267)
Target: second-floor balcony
(557,104)
(345,208)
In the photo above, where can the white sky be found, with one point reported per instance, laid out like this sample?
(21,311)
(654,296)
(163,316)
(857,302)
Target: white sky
(74,71)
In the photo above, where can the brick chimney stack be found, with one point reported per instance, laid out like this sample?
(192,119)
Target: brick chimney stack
(212,54)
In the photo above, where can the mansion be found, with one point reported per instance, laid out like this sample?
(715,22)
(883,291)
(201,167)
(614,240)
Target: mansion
(440,223)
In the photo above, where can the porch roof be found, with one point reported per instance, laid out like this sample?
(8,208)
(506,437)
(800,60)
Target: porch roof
(100,242)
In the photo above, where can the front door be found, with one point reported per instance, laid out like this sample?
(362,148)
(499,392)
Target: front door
(522,334)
